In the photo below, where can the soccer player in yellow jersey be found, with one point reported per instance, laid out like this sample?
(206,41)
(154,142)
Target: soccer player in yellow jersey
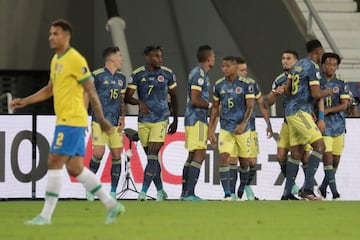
(69,77)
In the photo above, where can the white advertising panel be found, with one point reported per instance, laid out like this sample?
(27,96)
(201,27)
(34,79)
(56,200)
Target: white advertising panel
(20,175)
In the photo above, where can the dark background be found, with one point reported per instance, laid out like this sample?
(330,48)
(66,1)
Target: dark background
(257,30)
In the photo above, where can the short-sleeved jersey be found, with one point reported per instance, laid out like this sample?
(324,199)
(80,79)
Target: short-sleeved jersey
(304,74)
(67,72)
(232,97)
(109,87)
(257,94)
(152,88)
(335,122)
(198,80)
(279,81)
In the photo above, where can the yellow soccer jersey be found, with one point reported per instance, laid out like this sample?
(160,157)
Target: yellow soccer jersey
(67,71)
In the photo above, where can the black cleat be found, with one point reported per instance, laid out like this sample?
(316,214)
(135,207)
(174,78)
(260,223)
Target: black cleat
(336,196)
(322,192)
(308,195)
(289,197)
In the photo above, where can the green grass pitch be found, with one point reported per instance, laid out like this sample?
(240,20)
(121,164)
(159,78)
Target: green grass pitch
(77,220)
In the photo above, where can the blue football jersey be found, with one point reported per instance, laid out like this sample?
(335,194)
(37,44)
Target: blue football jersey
(303,74)
(232,97)
(279,81)
(153,88)
(198,80)
(109,87)
(335,122)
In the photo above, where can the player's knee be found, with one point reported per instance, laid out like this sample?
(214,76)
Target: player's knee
(319,146)
(73,171)
(98,154)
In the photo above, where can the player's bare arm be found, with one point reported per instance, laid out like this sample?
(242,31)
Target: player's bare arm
(250,103)
(320,122)
(288,86)
(41,95)
(197,101)
(317,92)
(265,113)
(214,115)
(344,103)
(121,122)
(129,98)
(96,106)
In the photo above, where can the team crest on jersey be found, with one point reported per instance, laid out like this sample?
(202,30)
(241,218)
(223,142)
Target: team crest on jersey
(58,67)
(84,70)
(130,80)
(336,89)
(200,81)
(120,82)
(160,78)
(238,90)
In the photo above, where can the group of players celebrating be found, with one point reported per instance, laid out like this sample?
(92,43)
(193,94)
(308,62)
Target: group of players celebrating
(314,97)
(315,101)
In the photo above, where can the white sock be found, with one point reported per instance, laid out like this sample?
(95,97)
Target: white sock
(52,192)
(93,185)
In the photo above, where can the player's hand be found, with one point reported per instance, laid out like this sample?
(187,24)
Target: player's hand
(329,92)
(212,139)
(172,127)
(121,124)
(106,127)
(17,103)
(143,108)
(269,132)
(240,128)
(280,90)
(321,125)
